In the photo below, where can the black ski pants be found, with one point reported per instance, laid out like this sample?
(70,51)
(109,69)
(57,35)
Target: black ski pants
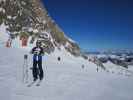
(37,69)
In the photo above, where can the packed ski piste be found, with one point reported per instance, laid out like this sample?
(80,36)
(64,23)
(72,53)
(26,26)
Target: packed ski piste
(28,73)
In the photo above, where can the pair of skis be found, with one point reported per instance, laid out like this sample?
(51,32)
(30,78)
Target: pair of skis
(37,83)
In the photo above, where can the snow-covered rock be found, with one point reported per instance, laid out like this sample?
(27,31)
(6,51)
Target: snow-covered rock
(4,36)
(28,18)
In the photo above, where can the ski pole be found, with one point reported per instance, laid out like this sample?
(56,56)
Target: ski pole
(25,69)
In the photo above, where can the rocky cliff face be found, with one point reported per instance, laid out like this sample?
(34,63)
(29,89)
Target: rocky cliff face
(29,18)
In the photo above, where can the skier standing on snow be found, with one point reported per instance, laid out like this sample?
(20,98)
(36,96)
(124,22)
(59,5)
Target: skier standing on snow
(37,70)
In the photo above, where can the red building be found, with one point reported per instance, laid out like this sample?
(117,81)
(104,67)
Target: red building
(24,40)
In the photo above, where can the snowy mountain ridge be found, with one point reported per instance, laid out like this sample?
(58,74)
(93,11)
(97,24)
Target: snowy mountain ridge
(28,20)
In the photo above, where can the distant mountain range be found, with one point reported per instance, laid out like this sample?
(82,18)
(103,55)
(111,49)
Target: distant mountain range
(113,52)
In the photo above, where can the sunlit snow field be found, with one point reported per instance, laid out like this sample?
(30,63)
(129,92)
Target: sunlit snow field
(63,80)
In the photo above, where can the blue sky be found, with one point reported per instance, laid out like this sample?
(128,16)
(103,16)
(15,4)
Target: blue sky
(95,24)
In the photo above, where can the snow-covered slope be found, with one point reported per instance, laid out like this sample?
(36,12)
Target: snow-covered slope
(63,80)
(116,69)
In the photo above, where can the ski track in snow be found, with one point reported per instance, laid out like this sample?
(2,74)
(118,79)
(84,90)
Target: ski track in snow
(64,80)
